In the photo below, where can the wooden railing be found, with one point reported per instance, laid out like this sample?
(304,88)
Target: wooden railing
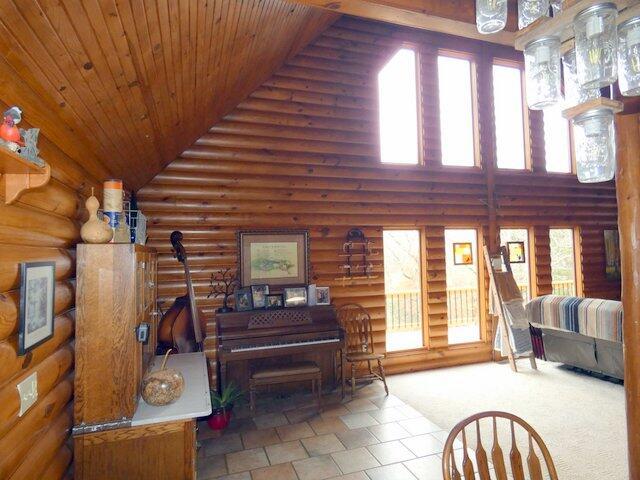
(404,309)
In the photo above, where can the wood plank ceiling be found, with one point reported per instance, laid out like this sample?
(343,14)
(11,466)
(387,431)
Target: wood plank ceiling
(135,82)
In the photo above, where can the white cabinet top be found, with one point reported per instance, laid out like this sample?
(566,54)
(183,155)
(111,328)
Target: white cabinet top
(195,400)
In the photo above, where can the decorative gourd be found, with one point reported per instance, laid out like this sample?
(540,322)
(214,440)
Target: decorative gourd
(94,230)
(163,386)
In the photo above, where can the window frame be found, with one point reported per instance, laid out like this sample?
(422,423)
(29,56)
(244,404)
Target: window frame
(526,121)
(419,124)
(475,118)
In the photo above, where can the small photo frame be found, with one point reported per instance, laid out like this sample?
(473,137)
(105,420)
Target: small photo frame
(517,252)
(463,253)
(244,301)
(274,302)
(295,297)
(259,295)
(323,296)
(37,297)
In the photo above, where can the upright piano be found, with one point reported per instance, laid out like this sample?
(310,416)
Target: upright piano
(270,336)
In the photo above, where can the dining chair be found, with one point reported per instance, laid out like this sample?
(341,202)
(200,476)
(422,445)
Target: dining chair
(356,322)
(480,468)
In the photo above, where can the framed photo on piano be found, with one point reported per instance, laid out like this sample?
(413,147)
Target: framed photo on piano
(295,297)
(273,257)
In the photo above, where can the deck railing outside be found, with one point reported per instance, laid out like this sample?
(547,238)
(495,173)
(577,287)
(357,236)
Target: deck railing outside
(404,310)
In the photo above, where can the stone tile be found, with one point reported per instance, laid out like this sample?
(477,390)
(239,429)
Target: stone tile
(294,432)
(419,426)
(240,425)
(388,415)
(270,420)
(409,411)
(331,411)
(205,433)
(327,425)
(442,435)
(356,438)
(211,467)
(388,432)
(316,468)
(228,443)
(360,405)
(322,445)
(285,452)
(355,460)
(352,476)
(387,401)
(260,438)
(358,420)
(283,471)
(422,445)
(236,476)
(390,452)
(302,414)
(246,460)
(391,472)
(426,468)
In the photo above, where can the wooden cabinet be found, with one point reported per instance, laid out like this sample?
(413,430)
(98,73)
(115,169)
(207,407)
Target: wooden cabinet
(164,451)
(116,293)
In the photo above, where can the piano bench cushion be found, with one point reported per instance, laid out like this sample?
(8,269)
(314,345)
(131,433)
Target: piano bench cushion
(363,356)
(296,368)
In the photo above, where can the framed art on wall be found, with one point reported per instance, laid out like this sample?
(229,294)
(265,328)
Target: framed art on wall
(516,252)
(277,257)
(37,296)
(462,253)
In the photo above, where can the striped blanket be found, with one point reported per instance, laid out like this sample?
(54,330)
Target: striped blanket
(589,316)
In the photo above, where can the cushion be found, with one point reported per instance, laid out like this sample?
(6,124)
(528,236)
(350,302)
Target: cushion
(296,368)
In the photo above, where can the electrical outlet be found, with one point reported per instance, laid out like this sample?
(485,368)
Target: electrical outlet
(28,391)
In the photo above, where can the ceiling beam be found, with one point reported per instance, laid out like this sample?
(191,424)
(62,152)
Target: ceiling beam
(454,17)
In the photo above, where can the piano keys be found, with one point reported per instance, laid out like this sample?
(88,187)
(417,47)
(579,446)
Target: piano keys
(245,338)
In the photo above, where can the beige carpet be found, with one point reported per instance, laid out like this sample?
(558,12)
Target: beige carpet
(581,418)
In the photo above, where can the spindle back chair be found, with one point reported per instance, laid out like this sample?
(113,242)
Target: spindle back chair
(451,471)
(356,322)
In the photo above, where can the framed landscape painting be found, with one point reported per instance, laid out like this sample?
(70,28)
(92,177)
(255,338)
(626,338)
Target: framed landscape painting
(274,257)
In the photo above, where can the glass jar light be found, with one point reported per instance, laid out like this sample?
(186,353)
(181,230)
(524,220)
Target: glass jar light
(531,10)
(595,145)
(542,71)
(491,15)
(556,7)
(629,57)
(596,45)
(574,93)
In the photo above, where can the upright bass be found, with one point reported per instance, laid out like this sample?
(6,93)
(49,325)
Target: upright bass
(180,326)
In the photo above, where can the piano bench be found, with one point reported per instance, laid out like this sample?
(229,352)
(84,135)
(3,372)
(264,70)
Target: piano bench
(292,372)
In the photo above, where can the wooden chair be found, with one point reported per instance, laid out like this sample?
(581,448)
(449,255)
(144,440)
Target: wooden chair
(451,471)
(356,322)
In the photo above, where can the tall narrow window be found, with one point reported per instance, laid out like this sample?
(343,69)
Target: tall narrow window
(509,117)
(463,300)
(456,111)
(563,263)
(556,141)
(517,239)
(398,109)
(403,289)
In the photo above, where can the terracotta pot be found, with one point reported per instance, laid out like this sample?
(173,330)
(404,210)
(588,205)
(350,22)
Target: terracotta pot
(219,419)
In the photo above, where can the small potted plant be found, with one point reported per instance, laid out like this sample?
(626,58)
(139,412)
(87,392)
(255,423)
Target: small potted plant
(222,406)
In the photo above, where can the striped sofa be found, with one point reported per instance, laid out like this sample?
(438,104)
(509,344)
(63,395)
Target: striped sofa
(582,332)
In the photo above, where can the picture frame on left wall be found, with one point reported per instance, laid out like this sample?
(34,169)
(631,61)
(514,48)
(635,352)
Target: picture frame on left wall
(37,300)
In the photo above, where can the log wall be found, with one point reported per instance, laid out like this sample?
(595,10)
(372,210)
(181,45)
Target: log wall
(302,151)
(42,226)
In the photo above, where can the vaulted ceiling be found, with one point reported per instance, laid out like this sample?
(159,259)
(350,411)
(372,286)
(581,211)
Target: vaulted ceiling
(134,82)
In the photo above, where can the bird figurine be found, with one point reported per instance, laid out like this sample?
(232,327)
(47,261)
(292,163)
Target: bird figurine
(9,132)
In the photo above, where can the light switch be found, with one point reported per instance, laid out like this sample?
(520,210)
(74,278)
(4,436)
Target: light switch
(28,391)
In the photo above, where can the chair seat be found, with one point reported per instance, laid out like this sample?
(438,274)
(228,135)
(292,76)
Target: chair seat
(296,368)
(363,356)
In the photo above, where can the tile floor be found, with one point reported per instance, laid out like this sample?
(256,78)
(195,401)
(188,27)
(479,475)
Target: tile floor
(372,437)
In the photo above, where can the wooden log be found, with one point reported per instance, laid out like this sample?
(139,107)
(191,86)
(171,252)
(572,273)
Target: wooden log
(58,467)
(11,364)
(12,255)
(20,439)
(10,303)
(628,184)
(55,197)
(50,371)
(27,226)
